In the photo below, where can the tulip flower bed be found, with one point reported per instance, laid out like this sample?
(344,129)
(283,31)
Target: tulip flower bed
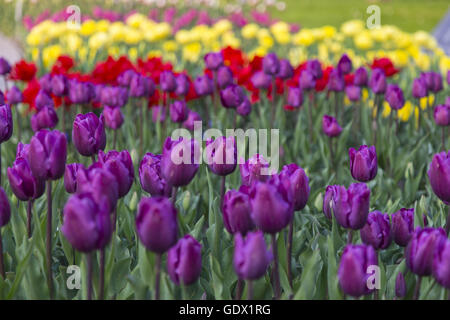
(356,209)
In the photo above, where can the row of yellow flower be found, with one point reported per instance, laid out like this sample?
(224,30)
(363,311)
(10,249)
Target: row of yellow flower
(140,36)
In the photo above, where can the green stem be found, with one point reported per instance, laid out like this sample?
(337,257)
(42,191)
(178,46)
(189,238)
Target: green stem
(276,273)
(49,239)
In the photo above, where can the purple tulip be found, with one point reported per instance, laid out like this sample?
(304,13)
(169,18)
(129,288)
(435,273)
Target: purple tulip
(361,77)
(70,176)
(351,206)
(221,155)
(441,262)
(442,115)
(439,175)
(158,113)
(80,92)
(22,150)
(345,64)
(192,117)
(232,96)
(400,286)
(88,134)
(141,86)
(363,163)
(114,96)
(330,126)
(286,70)
(327,201)
(47,154)
(394,96)
(377,81)
(295,97)
(354,269)
(236,211)
(178,111)
(43,100)
(167,81)
(336,81)
(203,85)
(180,161)
(245,107)
(113,117)
(315,68)
(5,209)
(60,85)
(433,81)
(183,85)
(151,178)
(14,96)
(254,169)
(299,184)
(272,204)
(271,64)
(213,60)
(307,80)
(261,80)
(184,261)
(121,166)
(45,118)
(24,184)
(2,98)
(86,224)
(419,88)
(353,93)
(45,83)
(224,77)
(377,231)
(420,250)
(124,79)
(6,123)
(5,67)
(156,224)
(251,257)
(403,226)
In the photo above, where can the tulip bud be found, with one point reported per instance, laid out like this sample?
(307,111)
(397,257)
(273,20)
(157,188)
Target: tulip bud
(351,206)
(43,100)
(442,115)
(261,80)
(272,204)
(222,155)
(433,81)
(400,286)
(45,83)
(151,178)
(45,118)
(251,257)
(419,88)
(114,96)
(178,111)
(394,96)
(14,96)
(5,67)
(167,81)
(24,184)
(141,86)
(224,77)
(354,269)
(245,107)
(327,201)
(254,169)
(203,85)
(86,224)
(314,67)
(420,250)
(88,134)
(47,155)
(377,81)
(70,176)
(336,81)
(363,163)
(403,226)
(360,78)
(345,64)
(307,81)
(2,98)
(213,60)
(236,211)
(184,261)
(6,123)
(113,117)
(5,209)
(191,119)
(60,85)
(353,93)
(377,231)
(180,161)
(271,64)
(232,96)
(121,166)
(330,126)
(299,184)
(156,224)
(80,92)
(441,262)
(295,97)
(439,175)
(124,79)
(183,85)
(286,70)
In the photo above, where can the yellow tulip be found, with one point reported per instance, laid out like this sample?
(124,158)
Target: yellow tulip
(88,28)
(353,27)
(304,37)
(249,31)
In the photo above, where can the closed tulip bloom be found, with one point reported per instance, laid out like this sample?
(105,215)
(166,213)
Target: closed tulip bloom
(353,93)
(158,114)
(336,81)
(151,178)
(60,85)
(420,250)
(213,60)
(442,115)
(124,79)
(330,126)
(79,92)
(183,85)
(271,64)
(22,150)
(261,80)
(403,226)
(47,155)
(100,182)
(184,261)
(251,257)
(24,184)
(232,96)
(363,163)
(354,271)
(400,286)
(6,123)
(46,83)
(88,134)
(180,161)
(286,70)
(141,86)
(178,111)
(86,223)
(377,81)
(5,67)
(114,96)
(191,119)
(433,81)
(307,80)
(299,184)
(14,95)
(361,77)
(419,88)
(156,224)
(45,118)
(113,117)
(394,96)
(167,81)
(70,176)
(2,98)
(351,206)
(203,85)
(5,209)
(441,262)
(439,175)
(43,100)
(254,169)
(119,163)
(327,201)
(314,67)
(221,155)
(224,77)
(236,211)
(377,231)
(345,64)
(295,97)
(245,107)
(272,204)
